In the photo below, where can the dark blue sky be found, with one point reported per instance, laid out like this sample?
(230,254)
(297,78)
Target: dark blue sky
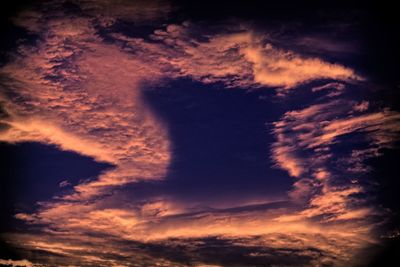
(32,172)
(220,137)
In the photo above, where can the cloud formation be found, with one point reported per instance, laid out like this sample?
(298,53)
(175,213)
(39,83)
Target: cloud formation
(63,92)
(20,263)
(244,58)
(82,90)
(305,140)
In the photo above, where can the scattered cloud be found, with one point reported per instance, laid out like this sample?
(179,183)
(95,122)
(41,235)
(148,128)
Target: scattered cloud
(304,145)
(335,88)
(64,183)
(362,106)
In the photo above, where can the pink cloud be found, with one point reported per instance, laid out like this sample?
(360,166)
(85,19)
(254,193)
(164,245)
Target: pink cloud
(304,139)
(85,95)
(245,56)
(20,263)
(362,106)
(90,112)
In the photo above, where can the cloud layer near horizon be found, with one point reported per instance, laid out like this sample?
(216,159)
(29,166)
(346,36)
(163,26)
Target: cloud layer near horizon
(83,91)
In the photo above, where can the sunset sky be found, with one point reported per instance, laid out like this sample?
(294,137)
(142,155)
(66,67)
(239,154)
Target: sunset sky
(178,133)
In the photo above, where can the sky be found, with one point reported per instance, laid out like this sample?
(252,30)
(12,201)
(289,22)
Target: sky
(169,133)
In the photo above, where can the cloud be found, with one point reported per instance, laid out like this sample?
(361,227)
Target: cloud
(244,59)
(106,236)
(326,45)
(214,251)
(63,92)
(335,87)
(104,12)
(64,183)
(304,142)
(276,67)
(138,11)
(362,106)
(20,263)
(285,158)
(75,90)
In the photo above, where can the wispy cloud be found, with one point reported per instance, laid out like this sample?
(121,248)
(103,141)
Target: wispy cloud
(245,58)
(304,142)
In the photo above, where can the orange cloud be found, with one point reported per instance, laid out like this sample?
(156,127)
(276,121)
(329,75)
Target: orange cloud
(245,56)
(89,112)
(20,263)
(276,67)
(75,236)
